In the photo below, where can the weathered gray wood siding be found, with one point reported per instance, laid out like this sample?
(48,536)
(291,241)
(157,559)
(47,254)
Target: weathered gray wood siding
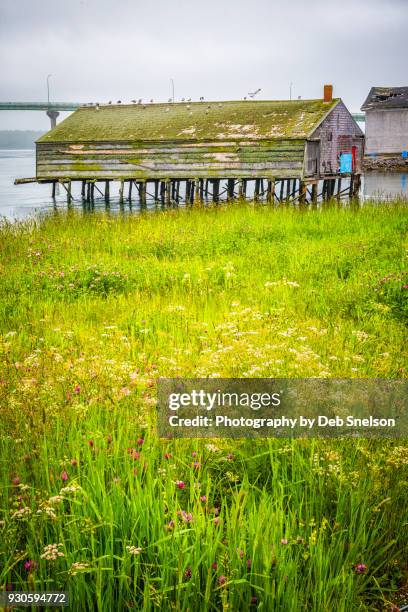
(338,133)
(386,132)
(160,160)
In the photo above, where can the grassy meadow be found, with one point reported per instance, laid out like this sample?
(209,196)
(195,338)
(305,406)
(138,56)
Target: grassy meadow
(95,307)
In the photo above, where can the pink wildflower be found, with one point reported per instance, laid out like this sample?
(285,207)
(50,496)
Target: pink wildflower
(284,541)
(222,579)
(77,389)
(360,568)
(203,498)
(180,484)
(64,476)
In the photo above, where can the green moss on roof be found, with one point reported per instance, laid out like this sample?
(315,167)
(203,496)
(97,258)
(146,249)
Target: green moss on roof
(219,121)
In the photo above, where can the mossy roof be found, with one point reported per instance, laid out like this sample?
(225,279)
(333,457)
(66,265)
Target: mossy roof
(201,121)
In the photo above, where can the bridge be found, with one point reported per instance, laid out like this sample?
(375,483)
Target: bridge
(53,109)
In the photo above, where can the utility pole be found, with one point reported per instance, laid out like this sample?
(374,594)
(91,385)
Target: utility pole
(172,89)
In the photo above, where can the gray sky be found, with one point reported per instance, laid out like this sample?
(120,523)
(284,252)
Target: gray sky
(100,50)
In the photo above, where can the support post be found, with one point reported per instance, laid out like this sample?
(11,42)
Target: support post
(339,188)
(288,192)
(167,186)
(69,196)
(121,188)
(230,189)
(357,184)
(281,190)
(302,192)
(314,193)
(92,192)
(130,191)
(142,193)
(53,189)
(83,189)
(270,191)
(107,191)
(256,192)
(216,190)
(240,188)
(196,191)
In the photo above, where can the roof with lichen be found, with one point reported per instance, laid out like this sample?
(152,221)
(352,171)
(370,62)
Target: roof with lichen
(201,121)
(383,98)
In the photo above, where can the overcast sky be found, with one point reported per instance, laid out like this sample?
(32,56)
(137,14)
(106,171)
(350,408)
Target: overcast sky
(100,50)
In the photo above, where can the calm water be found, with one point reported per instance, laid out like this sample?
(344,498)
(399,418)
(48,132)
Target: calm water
(18,202)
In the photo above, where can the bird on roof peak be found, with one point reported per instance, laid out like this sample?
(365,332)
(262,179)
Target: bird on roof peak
(133,101)
(139,101)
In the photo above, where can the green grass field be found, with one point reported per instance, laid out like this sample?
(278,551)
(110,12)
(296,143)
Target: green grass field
(94,308)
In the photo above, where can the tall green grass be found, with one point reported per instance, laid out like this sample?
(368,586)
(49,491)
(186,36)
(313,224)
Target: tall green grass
(94,308)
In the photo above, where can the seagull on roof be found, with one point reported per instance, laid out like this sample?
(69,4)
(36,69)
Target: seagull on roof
(183,99)
(189,100)
(110,102)
(119,102)
(139,101)
(252,94)
(133,101)
(151,101)
(202,99)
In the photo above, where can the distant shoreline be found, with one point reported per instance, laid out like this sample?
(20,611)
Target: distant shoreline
(19,139)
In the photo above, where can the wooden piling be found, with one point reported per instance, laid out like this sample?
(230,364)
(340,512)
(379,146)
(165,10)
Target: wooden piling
(83,189)
(281,190)
(130,191)
(256,191)
(69,195)
(302,192)
(270,193)
(230,189)
(121,188)
(107,191)
(216,190)
(314,193)
(54,189)
(288,191)
(142,193)
(339,188)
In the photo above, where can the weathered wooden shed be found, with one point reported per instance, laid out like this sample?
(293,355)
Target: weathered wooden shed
(386,110)
(299,141)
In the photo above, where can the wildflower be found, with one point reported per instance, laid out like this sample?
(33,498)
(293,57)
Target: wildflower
(360,568)
(140,441)
(249,563)
(30,565)
(217,520)
(77,389)
(203,498)
(196,465)
(230,457)
(253,600)
(16,481)
(125,391)
(77,567)
(194,454)
(170,525)
(167,456)
(222,579)
(91,443)
(74,462)
(51,552)
(134,550)
(214,566)
(64,476)
(134,454)
(180,484)
(240,553)
(284,541)
(187,573)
